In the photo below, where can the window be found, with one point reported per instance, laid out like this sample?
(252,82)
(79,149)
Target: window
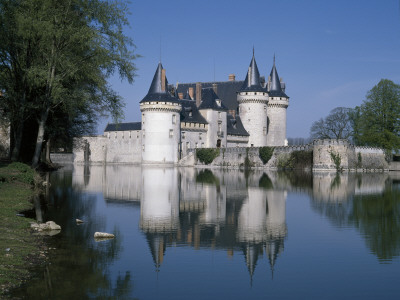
(202,145)
(115,135)
(143,147)
(190,114)
(183,135)
(130,134)
(265,108)
(200,136)
(108,134)
(171,133)
(173,119)
(187,145)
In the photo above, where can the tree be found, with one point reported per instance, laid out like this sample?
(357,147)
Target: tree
(378,118)
(57,56)
(336,125)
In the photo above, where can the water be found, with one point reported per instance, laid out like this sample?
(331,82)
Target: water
(214,234)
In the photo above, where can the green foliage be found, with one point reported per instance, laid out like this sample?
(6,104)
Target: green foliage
(295,160)
(266,153)
(207,155)
(337,160)
(265,182)
(377,121)
(18,171)
(55,60)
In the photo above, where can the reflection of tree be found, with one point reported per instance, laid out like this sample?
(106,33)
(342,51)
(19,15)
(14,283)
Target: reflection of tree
(77,266)
(378,218)
(376,214)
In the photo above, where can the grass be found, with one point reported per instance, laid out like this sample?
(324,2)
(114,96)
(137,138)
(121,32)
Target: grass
(19,249)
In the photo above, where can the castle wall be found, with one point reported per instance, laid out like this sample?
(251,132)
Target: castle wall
(193,136)
(276,112)
(216,127)
(112,147)
(236,141)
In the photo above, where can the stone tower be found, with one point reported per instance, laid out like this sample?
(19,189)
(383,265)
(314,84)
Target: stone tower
(277,105)
(160,122)
(253,99)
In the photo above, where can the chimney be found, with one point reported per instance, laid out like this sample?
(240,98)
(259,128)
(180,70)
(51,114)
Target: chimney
(180,95)
(215,88)
(191,93)
(163,87)
(232,77)
(198,94)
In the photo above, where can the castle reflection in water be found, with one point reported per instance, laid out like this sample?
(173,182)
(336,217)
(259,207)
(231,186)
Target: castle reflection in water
(229,210)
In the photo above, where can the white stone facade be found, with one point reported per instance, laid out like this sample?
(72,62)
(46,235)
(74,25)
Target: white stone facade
(160,132)
(276,127)
(216,134)
(253,113)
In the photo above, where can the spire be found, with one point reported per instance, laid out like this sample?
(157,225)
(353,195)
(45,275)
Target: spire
(274,88)
(158,90)
(252,81)
(159,81)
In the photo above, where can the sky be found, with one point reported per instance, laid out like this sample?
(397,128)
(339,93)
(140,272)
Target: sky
(329,53)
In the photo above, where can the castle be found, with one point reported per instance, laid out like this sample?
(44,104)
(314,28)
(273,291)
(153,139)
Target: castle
(178,119)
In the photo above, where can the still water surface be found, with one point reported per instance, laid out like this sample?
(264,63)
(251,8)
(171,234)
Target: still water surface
(213,234)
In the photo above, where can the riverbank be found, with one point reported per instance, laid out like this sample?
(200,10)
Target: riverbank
(20,250)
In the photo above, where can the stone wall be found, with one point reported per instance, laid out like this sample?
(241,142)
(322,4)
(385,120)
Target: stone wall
(113,147)
(372,159)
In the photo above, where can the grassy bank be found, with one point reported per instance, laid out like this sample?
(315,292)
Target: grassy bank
(19,249)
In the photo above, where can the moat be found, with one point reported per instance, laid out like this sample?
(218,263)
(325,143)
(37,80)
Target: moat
(185,233)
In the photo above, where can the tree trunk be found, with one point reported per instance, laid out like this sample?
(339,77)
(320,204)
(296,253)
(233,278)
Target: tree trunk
(48,145)
(39,139)
(17,141)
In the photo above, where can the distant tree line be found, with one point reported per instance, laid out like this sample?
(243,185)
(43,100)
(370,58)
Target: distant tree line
(376,122)
(55,59)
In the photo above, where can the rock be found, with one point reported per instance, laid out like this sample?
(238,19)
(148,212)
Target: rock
(48,226)
(102,235)
(78,221)
(8,249)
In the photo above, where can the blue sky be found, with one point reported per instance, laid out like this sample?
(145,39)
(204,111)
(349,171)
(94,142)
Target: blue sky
(329,53)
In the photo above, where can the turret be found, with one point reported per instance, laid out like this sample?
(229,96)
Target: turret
(277,105)
(160,122)
(253,100)
(214,111)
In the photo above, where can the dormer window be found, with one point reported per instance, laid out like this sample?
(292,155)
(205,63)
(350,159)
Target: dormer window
(190,114)
(218,101)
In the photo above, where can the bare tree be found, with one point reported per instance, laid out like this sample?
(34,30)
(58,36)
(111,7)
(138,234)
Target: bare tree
(336,125)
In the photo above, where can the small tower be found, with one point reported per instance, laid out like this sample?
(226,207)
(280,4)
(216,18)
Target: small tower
(160,122)
(253,100)
(277,105)
(214,111)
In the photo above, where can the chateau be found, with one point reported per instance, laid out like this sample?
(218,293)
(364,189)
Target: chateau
(178,119)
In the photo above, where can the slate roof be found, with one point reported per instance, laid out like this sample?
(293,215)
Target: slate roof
(208,100)
(235,126)
(155,91)
(253,83)
(226,91)
(123,126)
(190,113)
(275,88)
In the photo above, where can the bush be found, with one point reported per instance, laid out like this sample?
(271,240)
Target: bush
(19,171)
(266,153)
(207,155)
(295,160)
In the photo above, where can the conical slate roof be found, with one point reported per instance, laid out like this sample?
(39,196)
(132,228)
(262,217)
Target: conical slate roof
(275,89)
(209,100)
(252,82)
(156,92)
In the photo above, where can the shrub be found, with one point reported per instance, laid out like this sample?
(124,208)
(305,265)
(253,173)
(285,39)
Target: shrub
(337,160)
(207,155)
(295,160)
(266,153)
